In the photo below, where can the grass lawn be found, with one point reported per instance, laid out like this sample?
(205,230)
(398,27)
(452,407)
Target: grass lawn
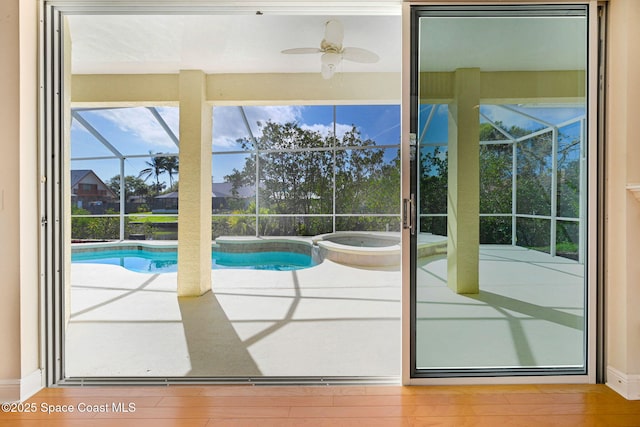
(151,218)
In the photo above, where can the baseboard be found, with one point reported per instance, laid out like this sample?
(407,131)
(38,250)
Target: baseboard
(9,390)
(626,385)
(21,389)
(31,384)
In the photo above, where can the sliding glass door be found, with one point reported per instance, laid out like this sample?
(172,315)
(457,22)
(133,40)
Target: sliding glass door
(499,182)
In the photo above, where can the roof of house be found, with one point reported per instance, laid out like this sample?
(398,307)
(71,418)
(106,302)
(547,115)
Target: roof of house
(78,174)
(218,189)
(225,189)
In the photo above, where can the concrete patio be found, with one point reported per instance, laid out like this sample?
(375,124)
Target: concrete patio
(529,313)
(328,320)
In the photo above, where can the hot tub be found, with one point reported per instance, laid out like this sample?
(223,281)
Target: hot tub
(365,249)
(371,249)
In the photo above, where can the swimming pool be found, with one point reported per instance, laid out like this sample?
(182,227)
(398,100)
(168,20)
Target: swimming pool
(145,261)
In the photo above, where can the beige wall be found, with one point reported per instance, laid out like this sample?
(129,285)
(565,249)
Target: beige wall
(623,168)
(234,89)
(29,214)
(10,190)
(19,340)
(19,357)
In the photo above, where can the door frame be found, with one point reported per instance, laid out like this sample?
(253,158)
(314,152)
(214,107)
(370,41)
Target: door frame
(594,357)
(55,102)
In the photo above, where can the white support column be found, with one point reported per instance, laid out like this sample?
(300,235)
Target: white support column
(194,199)
(463,209)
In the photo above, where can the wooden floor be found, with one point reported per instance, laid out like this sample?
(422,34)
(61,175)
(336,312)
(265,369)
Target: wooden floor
(209,406)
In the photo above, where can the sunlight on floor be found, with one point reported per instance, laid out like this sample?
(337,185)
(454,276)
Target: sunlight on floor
(329,320)
(529,312)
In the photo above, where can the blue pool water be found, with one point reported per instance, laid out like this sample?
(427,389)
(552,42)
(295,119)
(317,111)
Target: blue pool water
(165,262)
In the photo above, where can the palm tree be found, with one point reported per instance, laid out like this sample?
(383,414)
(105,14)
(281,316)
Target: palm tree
(156,168)
(171,167)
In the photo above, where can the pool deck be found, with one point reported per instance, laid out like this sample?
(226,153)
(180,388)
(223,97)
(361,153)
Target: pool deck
(328,320)
(324,321)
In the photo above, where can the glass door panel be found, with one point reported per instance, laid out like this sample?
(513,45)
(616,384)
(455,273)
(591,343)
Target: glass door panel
(498,274)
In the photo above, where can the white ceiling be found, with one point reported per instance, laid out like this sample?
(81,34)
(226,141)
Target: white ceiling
(223,43)
(503,44)
(251,43)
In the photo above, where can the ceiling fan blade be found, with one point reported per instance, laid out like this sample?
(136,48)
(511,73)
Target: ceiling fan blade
(333,33)
(299,50)
(357,54)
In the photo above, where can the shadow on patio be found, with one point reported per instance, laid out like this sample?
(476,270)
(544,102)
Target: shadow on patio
(330,320)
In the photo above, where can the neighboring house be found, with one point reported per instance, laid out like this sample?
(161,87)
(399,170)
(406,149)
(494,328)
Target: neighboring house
(222,198)
(89,192)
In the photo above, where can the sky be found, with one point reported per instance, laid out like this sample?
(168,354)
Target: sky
(134,131)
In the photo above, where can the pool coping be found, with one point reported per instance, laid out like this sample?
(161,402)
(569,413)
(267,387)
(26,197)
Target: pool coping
(379,256)
(224,244)
(134,245)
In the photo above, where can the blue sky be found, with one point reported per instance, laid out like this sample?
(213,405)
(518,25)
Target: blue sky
(134,131)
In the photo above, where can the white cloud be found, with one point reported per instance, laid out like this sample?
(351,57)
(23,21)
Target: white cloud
(278,114)
(171,116)
(229,126)
(140,123)
(326,130)
(75,126)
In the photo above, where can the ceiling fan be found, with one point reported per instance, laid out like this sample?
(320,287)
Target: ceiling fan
(332,51)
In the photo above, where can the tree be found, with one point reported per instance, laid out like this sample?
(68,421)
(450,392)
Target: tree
(433,189)
(156,167)
(366,182)
(292,180)
(533,186)
(171,167)
(133,186)
(297,168)
(496,185)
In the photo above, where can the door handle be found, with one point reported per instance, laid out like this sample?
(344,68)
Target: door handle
(409,214)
